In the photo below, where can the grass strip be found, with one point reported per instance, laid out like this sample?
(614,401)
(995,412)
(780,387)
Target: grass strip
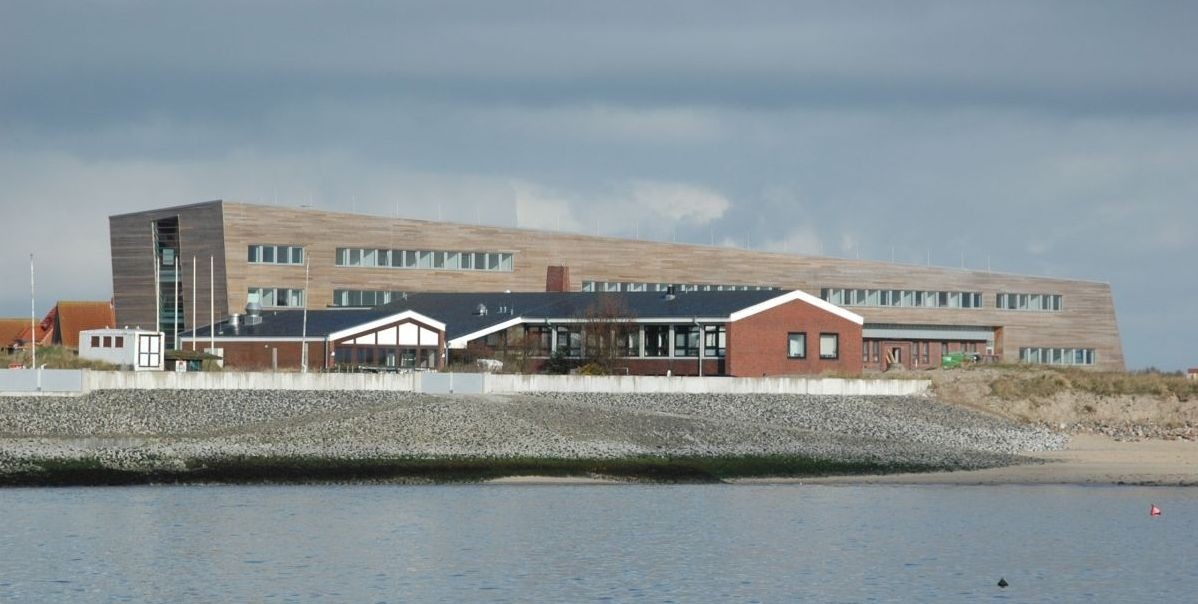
(300,470)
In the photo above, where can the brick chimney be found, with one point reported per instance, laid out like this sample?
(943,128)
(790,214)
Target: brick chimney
(557,279)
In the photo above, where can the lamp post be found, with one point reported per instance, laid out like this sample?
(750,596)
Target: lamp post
(194,303)
(211,305)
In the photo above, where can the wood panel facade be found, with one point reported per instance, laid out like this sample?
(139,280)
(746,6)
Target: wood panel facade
(226,229)
(201,239)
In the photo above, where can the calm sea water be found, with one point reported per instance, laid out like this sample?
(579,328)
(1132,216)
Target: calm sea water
(597,543)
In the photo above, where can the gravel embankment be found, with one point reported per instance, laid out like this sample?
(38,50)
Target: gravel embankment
(165,430)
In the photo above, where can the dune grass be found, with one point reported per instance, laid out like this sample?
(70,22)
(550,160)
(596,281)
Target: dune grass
(55,357)
(1023,382)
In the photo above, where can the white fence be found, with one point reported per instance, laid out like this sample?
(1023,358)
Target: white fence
(705,385)
(454,383)
(235,380)
(57,381)
(20,382)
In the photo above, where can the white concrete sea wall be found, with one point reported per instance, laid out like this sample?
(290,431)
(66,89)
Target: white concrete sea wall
(50,381)
(58,382)
(235,380)
(500,383)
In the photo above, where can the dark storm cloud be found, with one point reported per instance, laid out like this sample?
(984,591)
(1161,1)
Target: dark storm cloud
(1046,138)
(70,66)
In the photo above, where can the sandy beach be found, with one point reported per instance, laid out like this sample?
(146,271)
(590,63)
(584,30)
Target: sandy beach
(1089,459)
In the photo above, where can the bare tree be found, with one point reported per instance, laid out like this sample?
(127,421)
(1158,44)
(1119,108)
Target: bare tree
(524,345)
(610,332)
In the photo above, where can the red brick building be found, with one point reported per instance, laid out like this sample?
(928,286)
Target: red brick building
(735,333)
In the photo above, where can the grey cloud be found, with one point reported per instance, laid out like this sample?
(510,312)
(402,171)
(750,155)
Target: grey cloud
(221,61)
(1048,138)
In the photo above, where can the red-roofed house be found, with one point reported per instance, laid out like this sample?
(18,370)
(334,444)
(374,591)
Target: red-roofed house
(60,326)
(14,335)
(9,330)
(67,319)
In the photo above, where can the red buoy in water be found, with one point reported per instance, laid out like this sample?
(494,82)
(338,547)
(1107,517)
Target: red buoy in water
(1154,511)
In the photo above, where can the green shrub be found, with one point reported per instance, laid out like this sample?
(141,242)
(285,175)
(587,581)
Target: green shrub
(557,364)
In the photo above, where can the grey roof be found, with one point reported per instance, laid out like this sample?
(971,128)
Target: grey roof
(290,323)
(459,310)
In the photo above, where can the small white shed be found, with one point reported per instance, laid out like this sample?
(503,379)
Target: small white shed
(140,349)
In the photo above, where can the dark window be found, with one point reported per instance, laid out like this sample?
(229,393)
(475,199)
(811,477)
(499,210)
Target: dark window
(630,342)
(95,341)
(107,341)
(796,345)
(569,341)
(407,357)
(715,341)
(495,341)
(537,339)
(686,340)
(119,342)
(657,340)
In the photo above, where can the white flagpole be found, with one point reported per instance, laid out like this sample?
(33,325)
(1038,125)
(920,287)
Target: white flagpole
(32,314)
(211,304)
(175,304)
(157,290)
(193,303)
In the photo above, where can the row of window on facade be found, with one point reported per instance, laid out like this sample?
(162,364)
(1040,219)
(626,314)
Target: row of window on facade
(359,297)
(387,258)
(636,286)
(644,341)
(901,298)
(276,254)
(385,356)
(1057,356)
(108,341)
(920,350)
(277,297)
(907,298)
(428,259)
(796,345)
(287,297)
(1050,302)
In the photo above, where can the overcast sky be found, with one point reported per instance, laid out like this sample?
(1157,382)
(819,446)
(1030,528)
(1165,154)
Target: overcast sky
(1054,139)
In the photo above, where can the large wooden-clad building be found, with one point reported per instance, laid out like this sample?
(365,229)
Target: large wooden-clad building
(912,313)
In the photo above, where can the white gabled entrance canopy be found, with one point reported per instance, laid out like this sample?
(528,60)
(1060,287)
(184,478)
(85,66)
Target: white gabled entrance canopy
(377,324)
